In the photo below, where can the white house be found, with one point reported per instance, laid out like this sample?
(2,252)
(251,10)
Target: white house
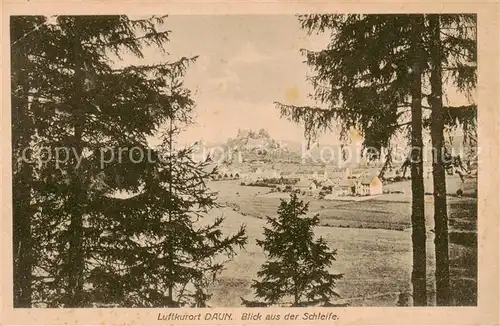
(306,185)
(369,185)
(256,171)
(271,174)
(305,175)
(251,178)
(287,175)
(347,187)
(236,173)
(339,173)
(320,175)
(220,173)
(330,183)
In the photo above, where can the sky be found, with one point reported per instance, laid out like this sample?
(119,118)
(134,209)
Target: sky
(245,63)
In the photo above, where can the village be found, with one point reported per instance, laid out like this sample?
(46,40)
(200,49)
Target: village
(326,182)
(321,183)
(255,159)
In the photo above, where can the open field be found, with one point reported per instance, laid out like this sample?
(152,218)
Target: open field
(376,264)
(453,183)
(390,212)
(372,238)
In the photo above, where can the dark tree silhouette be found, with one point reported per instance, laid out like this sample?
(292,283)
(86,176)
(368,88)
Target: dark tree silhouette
(297,265)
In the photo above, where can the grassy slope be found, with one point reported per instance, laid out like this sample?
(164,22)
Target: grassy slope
(372,261)
(376,262)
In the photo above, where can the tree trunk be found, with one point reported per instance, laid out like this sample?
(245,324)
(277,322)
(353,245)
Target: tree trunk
(77,199)
(438,168)
(170,213)
(417,216)
(22,176)
(387,164)
(22,244)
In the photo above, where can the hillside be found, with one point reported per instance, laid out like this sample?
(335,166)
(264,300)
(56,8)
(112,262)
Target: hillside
(250,147)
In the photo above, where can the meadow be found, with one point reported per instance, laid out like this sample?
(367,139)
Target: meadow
(372,239)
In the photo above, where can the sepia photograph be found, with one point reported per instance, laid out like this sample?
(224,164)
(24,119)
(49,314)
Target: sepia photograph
(317,160)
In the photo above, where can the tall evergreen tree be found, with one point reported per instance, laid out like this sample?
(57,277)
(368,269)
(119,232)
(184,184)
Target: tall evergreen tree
(438,167)
(297,265)
(22,133)
(452,44)
(368,78)
(362,78)
(419,274)
(93,245)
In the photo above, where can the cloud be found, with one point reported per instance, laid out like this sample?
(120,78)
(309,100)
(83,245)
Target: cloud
(203,62)
(247,68)
(210,75)
(229,80)
(220,118)
(248,54)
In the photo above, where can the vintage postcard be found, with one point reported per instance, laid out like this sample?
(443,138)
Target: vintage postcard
(256,163)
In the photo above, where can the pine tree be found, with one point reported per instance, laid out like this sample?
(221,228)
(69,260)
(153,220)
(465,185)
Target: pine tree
(297,265)
(362,80)
(368,78)
(22,133)
(419,272)
(438,167)
(95,245)
(452,46)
